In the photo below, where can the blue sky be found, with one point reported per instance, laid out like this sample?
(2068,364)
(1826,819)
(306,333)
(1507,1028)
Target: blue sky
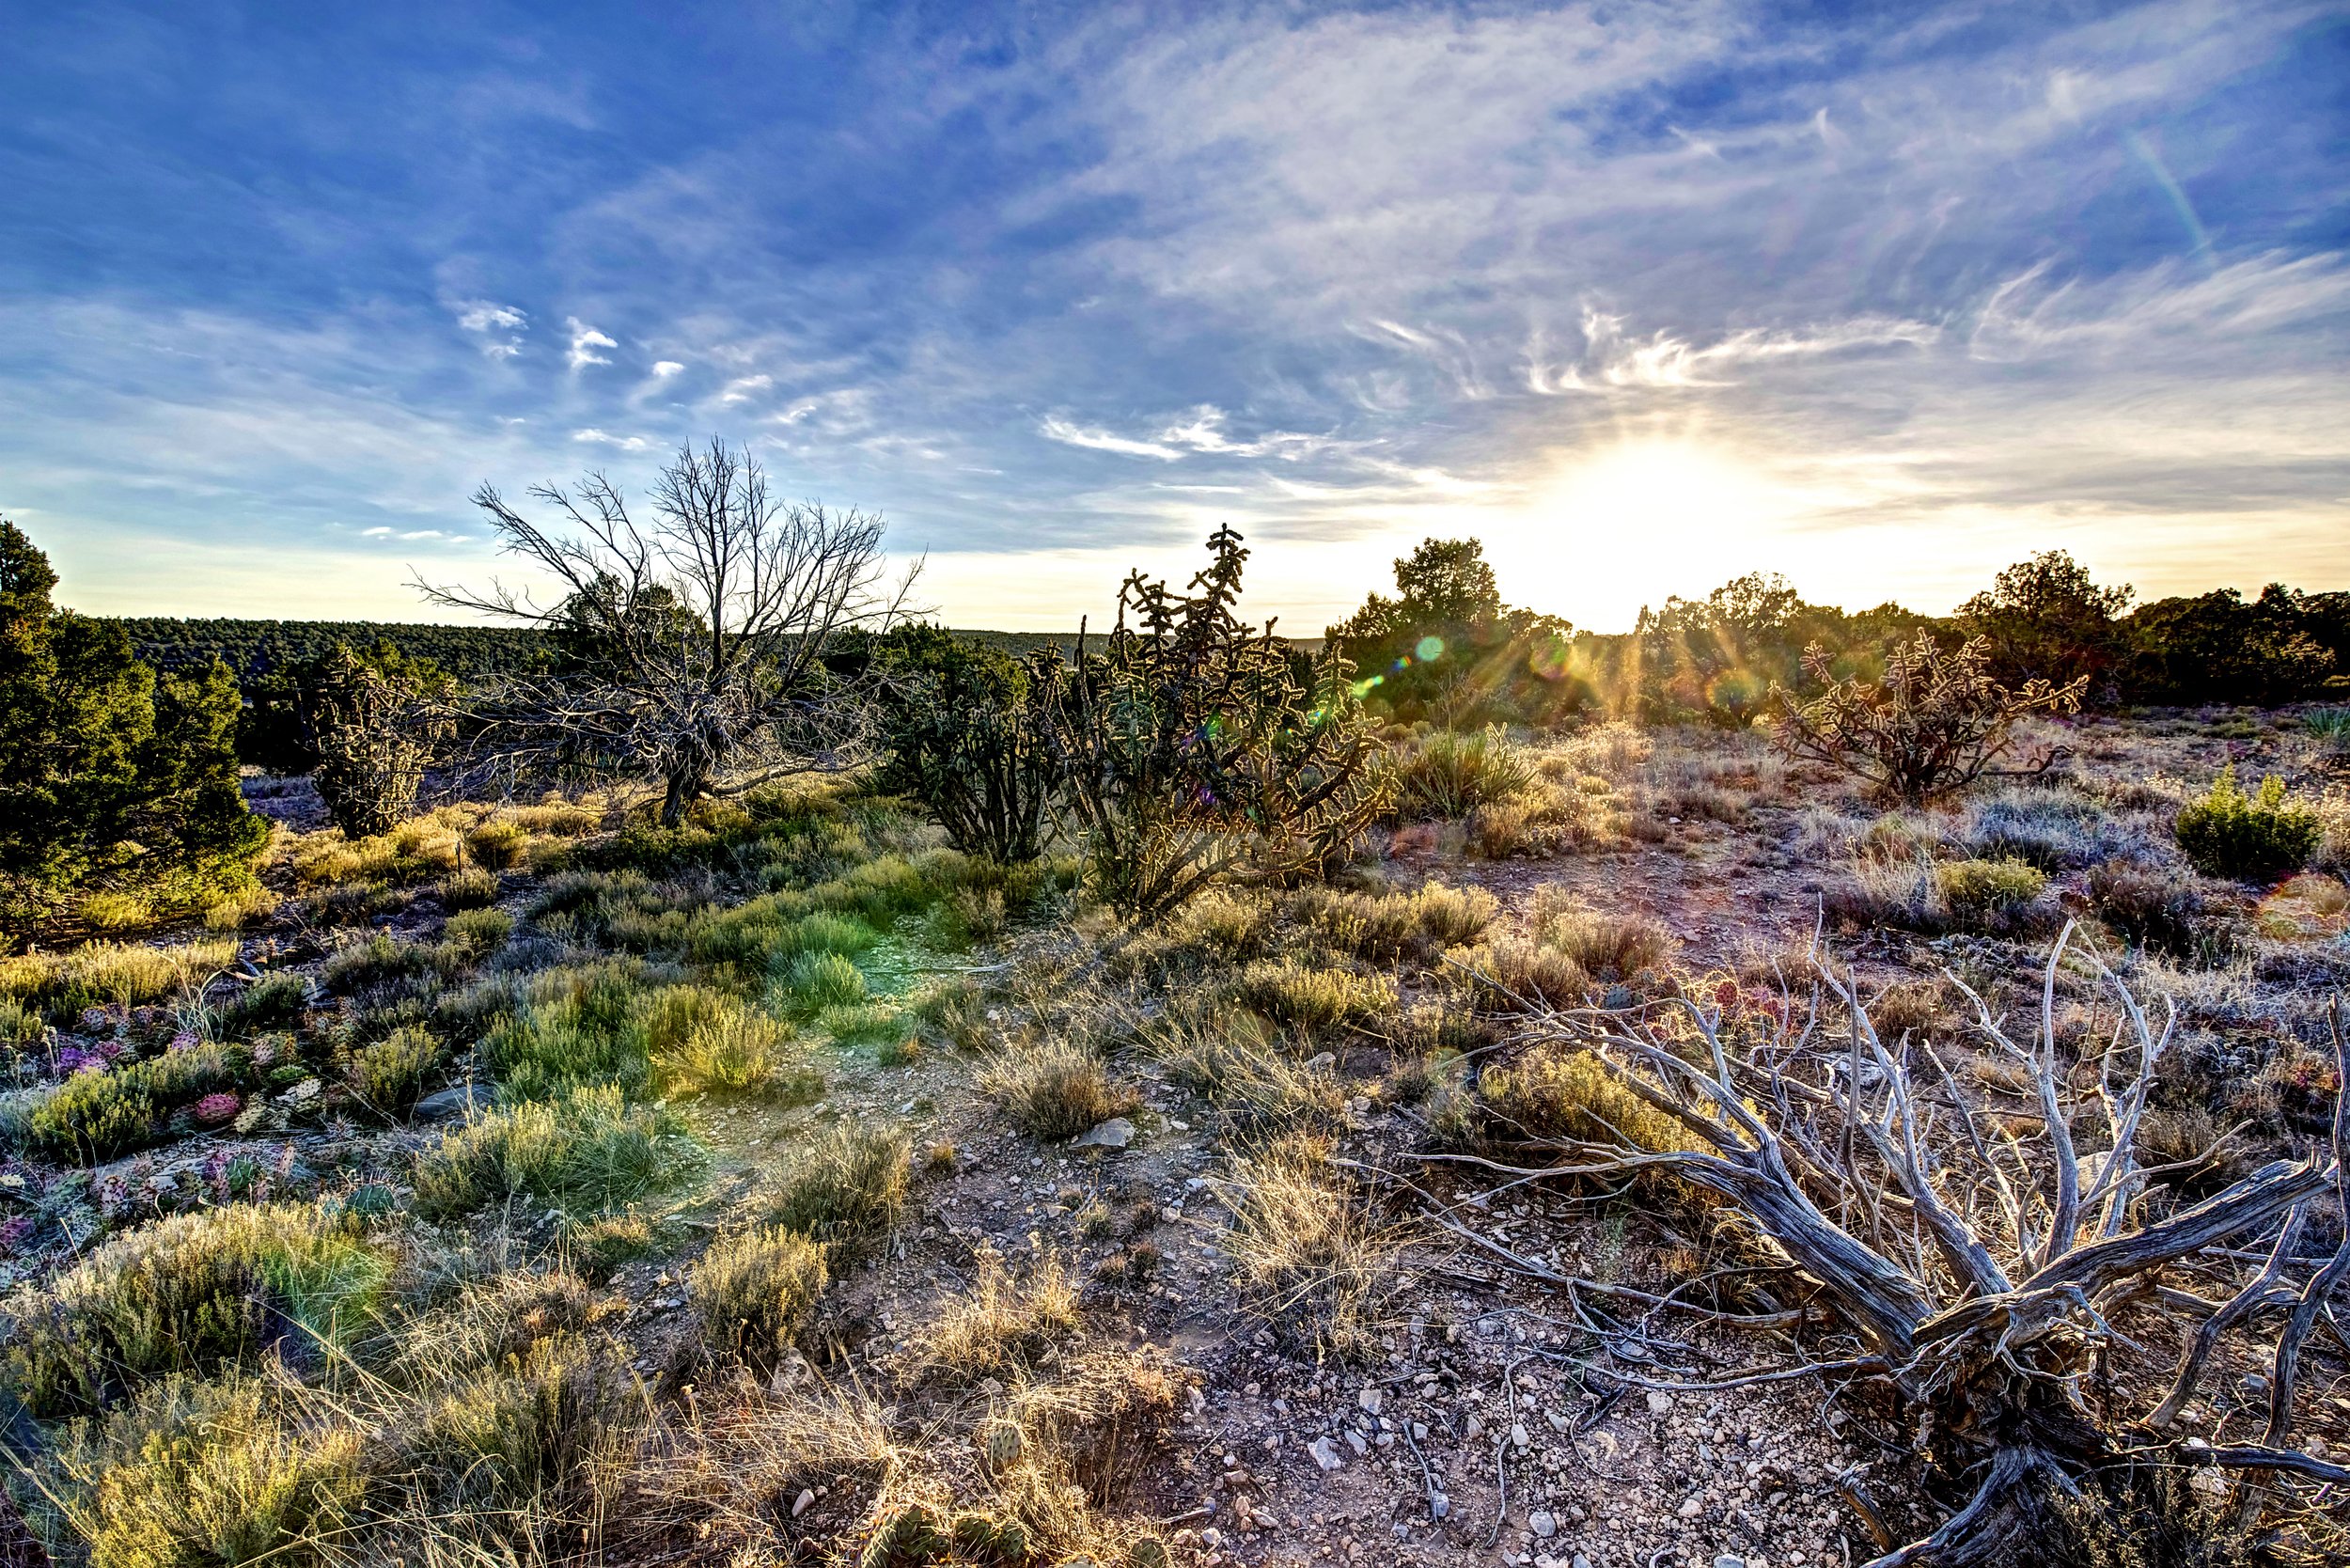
(1645,296)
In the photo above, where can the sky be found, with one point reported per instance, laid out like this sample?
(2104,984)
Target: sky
(1645,296)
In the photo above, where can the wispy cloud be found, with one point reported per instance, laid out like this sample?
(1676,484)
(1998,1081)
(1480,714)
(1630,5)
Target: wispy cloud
(594,437)
(500,326)
(586,341)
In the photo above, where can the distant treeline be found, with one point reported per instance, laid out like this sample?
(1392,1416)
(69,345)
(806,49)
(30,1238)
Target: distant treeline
(254,649)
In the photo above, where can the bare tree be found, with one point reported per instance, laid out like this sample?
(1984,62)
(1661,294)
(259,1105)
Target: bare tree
(1981,1263)
(694,642)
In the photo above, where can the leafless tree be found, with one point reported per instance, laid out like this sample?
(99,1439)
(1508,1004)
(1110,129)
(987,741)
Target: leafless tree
(693,643)
(1981,1258)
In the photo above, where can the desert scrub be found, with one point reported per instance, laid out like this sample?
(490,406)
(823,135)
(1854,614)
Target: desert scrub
(1314,1001)
(755,1290)
(1232,1060)
(378,961)
(1312,1258)
(1446,775)
(270,1002)
(499,846)
(1604,946)
(473,934)
(1510,973)
(1055,1088)
(848,1187)
(195,1474)
(587,1152)
(1003,1327)
(2255,837)
(191,1293)
(1572,1095)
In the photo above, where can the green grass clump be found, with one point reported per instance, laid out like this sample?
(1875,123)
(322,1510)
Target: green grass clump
(1447,775)
(706,1042)
(755,1290)
(2255,837)
(816,981)
(849,1187)
(378,961)
(271,1002)
(579,1027)
(498,845)
(190,1292)
(471,888)
(589,1149)
(476,933)
(1055,1088)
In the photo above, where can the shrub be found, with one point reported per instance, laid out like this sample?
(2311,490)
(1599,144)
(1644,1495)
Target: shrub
(581,1026)
(1396,925)
(588,1151)
(1572,1095)
(115,911)
(1056,1088)
(1190,748)
(2255,837)
(2155,909)
(93,1117)
(755,1290)
(1235,1063)
(190,1294)
(271,1002)
(235,911)
(1975,891)
(848,1187)
(726,1049)
(390,1076)
(1933,724)
(2330,729)
(1604,946)
(965,738)
(377,726)
(1446,776)
(1507,972)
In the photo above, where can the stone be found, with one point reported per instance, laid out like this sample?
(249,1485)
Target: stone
(1542,1523)
(452,1103)
(1371,1400)
(801,1504)
(1659,1402)
(1580,1561)
(1354,1440)
(1113,1134)
(1325,1456)
(1692,1508)
(1728,1561)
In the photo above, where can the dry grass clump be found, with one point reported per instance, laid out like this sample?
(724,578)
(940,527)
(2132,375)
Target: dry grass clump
(1233,1061)
(755,1290)
(472,888)
(1606,947)
(1002,1326)
(1313,999)
(1570,1095)
(731,1469)
(1055,1088)
(704,1042)
(849,1187)
(1312,1258)
(1446,775)
(115,974)
(237,910)
(1394,927)
(1511,974)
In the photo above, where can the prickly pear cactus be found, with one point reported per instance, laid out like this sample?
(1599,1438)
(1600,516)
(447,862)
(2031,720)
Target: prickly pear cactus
(1003,1443)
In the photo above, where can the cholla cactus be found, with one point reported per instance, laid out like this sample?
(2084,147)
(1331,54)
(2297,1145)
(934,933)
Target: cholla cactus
(1934,724)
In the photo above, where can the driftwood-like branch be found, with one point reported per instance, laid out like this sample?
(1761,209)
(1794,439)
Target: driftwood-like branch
(1980,1261)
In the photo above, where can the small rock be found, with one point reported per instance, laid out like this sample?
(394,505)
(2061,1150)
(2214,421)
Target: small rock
(1659,1402)
(1543,1524)
(1580,1561)
(450,1103)
(1519,1436)
(1692,1508)
(1727,1561)
(1325,1454)
(805,1501)
(1371,1400)
(1472,1430)
(1113,1134)
(1354,1440)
